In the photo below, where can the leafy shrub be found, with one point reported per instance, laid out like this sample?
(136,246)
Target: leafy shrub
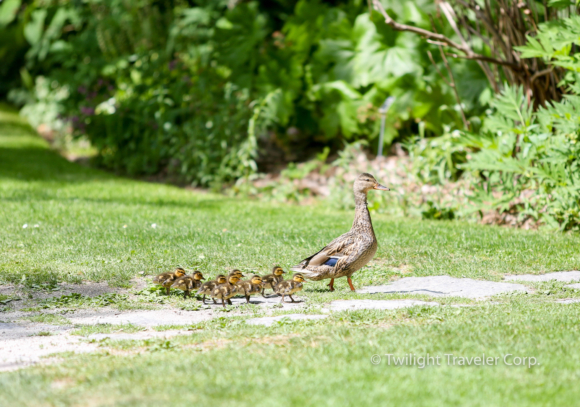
(529,161)
(199,91)
(524,163)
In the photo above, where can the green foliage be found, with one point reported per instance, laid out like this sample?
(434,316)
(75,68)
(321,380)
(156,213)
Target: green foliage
(523,162)
(76,300)
(554,42)
(193,90)
(436,213)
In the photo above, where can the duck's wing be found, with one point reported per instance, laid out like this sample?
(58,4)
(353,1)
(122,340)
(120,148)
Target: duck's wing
(329,255)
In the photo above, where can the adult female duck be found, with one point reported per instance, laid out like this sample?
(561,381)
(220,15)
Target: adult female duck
(350,252)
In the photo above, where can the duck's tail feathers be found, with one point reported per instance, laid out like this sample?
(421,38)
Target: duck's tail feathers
(306,273)
(300,269)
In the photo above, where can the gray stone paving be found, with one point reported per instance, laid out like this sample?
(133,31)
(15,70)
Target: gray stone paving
(268,321)
(347,305)
(557,276)
(444,286)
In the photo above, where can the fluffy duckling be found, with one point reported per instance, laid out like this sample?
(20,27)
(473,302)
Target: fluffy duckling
(271,280)
(188,283)
(250,287)
(207,287)
(227,290)
(289,287)
(239,288)
(167,279)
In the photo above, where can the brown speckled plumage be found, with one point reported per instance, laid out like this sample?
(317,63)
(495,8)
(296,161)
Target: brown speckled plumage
(270,280)
(227,290)
(250,287)
(353,249)
(188,283)
(167,279)
(289,287)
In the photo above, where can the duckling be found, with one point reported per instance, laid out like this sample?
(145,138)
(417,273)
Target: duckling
(166,279)
(188,283)
(227,290)
(250,287)
(270,280)
(239,288)
(207,287)
(289,287)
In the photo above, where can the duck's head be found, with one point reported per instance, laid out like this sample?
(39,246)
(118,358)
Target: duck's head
(221,279)
(365,182)
(233,279)
(256,279)
(278,271)
(179,272)
(197,275)
(237,273)
(299,278)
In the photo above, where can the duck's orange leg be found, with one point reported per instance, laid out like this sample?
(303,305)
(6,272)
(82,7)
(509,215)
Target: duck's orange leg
(331,285)
(350,283)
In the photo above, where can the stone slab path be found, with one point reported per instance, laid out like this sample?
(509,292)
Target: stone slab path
(268,321)
(137,335)
(444,286)
(23,343)
(557,276)
(20,352)
(145,318)
(349,305)
(568,301)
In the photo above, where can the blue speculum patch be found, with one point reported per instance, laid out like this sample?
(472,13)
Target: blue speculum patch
(331,262)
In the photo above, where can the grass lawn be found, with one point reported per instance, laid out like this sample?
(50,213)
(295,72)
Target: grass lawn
(61,222)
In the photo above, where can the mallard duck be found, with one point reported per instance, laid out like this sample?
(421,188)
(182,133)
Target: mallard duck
(227,290)
(250,287)
(166,279)
(270,280)
(188,283)
(350,252)
(207,287)
(289,287)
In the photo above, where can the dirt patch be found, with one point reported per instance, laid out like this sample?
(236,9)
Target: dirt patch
(28,297)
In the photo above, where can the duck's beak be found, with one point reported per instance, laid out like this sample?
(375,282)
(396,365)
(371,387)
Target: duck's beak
(381,187)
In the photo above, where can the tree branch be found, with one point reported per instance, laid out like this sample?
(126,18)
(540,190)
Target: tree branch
(483,58)
(540,73)
(440,38)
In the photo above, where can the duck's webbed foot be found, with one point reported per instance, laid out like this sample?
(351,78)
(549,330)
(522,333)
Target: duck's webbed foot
(331,284)
(350,284)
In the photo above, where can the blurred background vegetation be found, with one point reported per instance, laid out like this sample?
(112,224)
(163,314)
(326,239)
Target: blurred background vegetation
(280,99)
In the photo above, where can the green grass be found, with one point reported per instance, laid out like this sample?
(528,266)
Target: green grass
(81,214)
(53,319)
(95,226)
(86,330)
(328,363)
